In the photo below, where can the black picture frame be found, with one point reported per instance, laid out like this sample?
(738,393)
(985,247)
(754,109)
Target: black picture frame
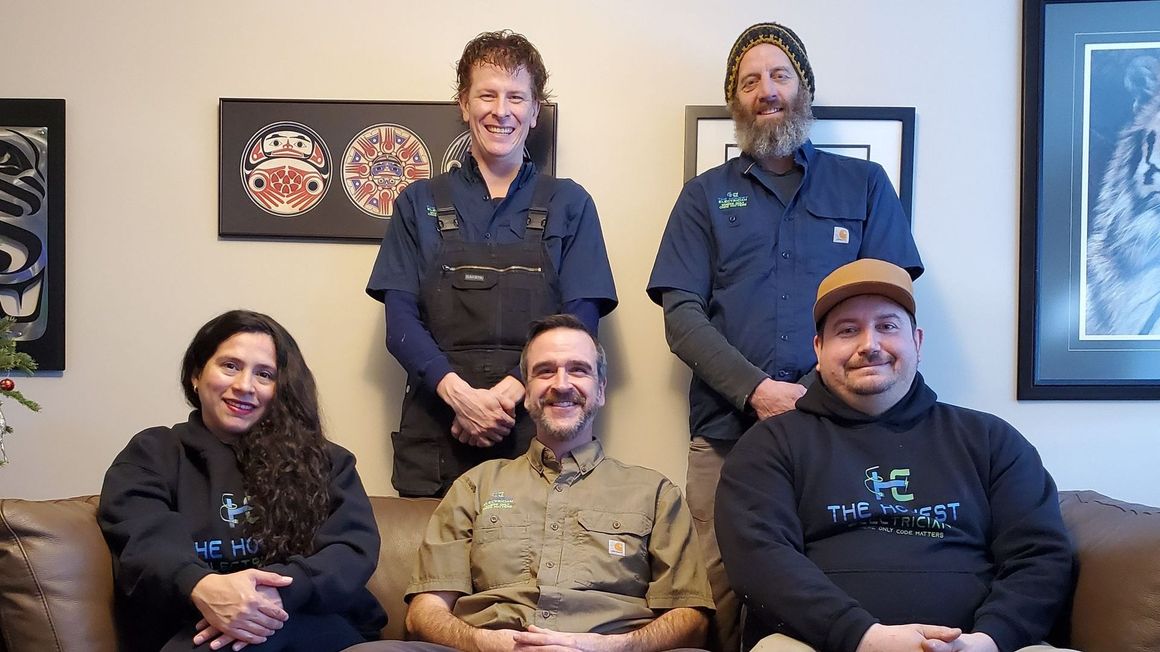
(322,185)
(32,238)
(1089,286)
(883,134)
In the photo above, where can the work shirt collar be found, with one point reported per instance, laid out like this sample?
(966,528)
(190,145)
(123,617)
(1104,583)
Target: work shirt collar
(581,459)
(471,172)
(802,157)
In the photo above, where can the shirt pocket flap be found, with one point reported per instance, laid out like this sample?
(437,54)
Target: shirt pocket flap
(474,278)
(615,522)
(836,206)
(499,525)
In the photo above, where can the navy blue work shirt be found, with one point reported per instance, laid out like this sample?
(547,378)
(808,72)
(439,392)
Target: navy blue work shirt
(757,263)
(573,238)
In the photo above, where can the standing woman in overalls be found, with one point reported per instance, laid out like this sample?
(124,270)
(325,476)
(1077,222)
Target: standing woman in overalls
(468,260)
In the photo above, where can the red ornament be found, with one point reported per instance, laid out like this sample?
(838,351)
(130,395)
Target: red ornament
(7,384)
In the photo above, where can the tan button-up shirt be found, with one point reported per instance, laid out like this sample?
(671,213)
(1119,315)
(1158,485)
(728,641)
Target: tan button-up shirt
(583,544)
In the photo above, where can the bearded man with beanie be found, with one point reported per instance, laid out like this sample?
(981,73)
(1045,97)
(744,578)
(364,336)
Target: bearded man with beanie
(873,518)
(745,247)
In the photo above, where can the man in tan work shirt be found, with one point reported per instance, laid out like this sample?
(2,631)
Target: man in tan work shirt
(562,546)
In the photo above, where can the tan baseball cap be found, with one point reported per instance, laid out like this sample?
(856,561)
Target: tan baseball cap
(864,276)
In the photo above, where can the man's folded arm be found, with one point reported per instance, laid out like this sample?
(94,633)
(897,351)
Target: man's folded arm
(694,340)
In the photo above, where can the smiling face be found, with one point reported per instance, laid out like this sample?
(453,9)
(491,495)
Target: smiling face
(500,109)
(237,384)
(771,111)
(766,82)
(868,352)
(564,391)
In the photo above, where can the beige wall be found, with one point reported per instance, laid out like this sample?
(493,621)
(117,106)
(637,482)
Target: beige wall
(145,266)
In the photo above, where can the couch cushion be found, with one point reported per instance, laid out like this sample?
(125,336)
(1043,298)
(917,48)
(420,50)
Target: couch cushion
(1117,594)
(56,577)
(402,522)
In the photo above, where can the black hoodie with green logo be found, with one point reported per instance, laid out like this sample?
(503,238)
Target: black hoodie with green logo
(830,520)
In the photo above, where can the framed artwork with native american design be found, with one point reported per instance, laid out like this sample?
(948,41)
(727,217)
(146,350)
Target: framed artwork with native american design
(332,169)
(32,148)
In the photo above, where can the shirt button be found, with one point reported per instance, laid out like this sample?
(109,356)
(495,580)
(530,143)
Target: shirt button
(616,524)
(551,564)
(785,254)
(732,218)
(555,526)
(782,373)
(559,487)
(494,519)
(784,338)
(487,236)
(546,614)
(784,297)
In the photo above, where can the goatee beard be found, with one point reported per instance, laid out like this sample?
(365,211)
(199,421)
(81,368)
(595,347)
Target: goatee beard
(564,432)
(779,139)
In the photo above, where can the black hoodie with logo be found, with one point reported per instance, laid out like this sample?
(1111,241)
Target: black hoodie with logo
(830,520)
(173,510)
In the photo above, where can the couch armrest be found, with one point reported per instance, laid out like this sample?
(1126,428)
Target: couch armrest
(1117,594)
(56,577)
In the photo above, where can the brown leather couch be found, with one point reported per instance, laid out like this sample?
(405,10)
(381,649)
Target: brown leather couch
(56,578)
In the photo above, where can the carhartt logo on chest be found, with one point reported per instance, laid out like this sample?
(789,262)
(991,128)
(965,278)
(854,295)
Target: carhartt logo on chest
(841,235)
(732,200)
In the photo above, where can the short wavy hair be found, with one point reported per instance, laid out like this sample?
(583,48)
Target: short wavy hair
(283,459)
(570,322)
(503,49)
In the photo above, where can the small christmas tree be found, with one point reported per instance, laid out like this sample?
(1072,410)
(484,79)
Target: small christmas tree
(11,359)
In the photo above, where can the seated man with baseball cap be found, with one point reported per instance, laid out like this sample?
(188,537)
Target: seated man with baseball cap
(874,518)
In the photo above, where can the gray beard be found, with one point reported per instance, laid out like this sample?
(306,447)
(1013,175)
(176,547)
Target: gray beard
(776,140)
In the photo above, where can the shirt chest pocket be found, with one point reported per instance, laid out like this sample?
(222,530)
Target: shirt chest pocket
(612,551)
(744,245)
(832,232)
(501,551)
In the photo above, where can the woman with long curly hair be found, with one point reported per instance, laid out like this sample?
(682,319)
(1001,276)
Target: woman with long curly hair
(243,525)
